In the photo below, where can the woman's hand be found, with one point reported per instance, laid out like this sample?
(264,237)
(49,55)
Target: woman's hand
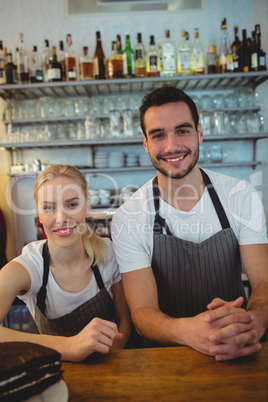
(97,336)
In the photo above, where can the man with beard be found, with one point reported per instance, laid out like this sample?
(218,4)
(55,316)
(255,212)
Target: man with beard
(181,241)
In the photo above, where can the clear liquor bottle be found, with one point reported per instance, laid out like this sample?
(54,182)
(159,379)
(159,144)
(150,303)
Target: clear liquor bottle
(153,66)
(35,69)
(115,62)
(128,59)
(168,56)
(226,57)
(184,53)
(45,59)
(86,66)
(140,58)
(54,68)
(99,59)
(22,62)
(198,65)
(70,60)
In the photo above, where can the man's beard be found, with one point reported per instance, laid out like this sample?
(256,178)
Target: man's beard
(178,175)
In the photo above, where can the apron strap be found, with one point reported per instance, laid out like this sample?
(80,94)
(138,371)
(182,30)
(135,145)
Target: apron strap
(159,222)
(41,295)
(216,201)
(97,275)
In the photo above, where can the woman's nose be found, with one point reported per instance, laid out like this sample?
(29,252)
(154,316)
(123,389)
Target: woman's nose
(61,215)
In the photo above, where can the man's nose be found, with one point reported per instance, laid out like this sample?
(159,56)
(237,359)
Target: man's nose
(171,143)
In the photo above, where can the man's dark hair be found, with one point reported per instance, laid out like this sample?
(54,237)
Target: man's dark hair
(167,94)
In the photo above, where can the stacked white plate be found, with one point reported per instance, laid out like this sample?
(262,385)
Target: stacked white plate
(145,160)
(131,160)
(116,159)
(101,159)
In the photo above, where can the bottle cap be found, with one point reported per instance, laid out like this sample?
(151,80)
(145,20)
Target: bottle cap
(167,33)
(196,33)
(34,48)
(46,43)
(223,23)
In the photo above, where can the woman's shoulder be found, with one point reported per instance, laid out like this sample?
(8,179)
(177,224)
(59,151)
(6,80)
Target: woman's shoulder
(31,252)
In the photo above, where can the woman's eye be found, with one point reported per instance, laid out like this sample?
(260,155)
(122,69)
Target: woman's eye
(73,205)
(48,208)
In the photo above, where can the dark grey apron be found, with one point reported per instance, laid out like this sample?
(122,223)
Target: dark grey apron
(189,275)
(70,324)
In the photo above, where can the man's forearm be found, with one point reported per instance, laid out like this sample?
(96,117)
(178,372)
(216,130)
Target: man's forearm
(156,326)
(258,306)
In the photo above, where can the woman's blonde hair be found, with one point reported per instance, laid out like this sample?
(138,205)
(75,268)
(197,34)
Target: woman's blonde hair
(94,245)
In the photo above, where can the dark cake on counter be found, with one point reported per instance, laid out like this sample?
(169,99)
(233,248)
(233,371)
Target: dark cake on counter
(27,369)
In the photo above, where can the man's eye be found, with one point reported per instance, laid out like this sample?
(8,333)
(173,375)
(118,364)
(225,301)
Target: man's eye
(158,135)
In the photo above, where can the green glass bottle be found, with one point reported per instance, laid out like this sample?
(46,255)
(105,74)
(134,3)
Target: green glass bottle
(128,55)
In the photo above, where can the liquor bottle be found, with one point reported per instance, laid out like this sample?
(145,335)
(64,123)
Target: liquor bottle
(99,59)
(153,60)
(115,63)
(45,59)
(197,55)
(259,56)
(244,54)
(119,44)
(211,60)
(128,59)
(22,62)
(61,59)
(54,72)
(235,49)
(184,52)
(226,57)
(168,56)
(86,66)
(2,63)
(140,58)
(35,68)
(10,71)
(70,60)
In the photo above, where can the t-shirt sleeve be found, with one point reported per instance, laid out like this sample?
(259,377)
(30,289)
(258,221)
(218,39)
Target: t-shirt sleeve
(129,245)
(248,214)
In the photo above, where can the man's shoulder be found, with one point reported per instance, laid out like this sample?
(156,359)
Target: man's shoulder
(135,203)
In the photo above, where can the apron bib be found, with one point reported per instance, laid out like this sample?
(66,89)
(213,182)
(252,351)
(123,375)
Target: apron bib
(72,323)
(189,275)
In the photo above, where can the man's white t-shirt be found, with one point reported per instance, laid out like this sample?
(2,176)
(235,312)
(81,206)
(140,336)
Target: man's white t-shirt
(132,224)
(58,301)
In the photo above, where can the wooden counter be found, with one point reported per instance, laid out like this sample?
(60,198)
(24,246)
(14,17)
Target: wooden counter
(167,374)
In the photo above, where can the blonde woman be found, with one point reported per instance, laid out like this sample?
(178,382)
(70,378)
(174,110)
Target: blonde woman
(70,282)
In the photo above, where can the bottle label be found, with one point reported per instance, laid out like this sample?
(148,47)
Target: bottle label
(230,63)
(138,54)
(2,79)
(96,66)
(254,60)
(54,73)
(198,59)
(153,64)
(185,60)
(39,75)
(168,60)
(71,74)
(262,61)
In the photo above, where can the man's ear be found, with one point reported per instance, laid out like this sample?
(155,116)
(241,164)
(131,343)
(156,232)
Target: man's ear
(145,145)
